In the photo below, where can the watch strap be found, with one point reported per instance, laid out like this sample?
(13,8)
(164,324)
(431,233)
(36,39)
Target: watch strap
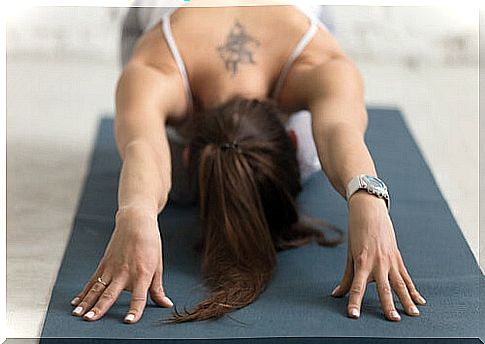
(354,185)
(357,183)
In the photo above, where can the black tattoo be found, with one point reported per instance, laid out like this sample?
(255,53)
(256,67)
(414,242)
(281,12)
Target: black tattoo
(237,47)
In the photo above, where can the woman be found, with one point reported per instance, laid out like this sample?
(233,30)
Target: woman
(205,98)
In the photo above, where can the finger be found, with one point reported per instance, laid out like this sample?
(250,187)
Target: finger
(343,288)
(357,291)
(401,289)
(78,298)
(93,279)
(157,292)
(138,302)
(105,300)
(90,299)
(385,296)
(415,295)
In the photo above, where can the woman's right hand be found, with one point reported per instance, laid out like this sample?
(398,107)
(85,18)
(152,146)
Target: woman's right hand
(133,262)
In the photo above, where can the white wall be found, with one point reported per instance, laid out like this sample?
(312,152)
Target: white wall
(403,35)
(408,35)
(92,32)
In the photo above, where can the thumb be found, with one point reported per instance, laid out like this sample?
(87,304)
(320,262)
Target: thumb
(157,293)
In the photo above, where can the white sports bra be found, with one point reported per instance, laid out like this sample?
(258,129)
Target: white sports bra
(300,46)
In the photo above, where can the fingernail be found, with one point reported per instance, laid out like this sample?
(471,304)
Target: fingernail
(169,301)
(89,314)
(414,309)
(75,301)
(77,310)
(354,312)
(395,315)
(421,299)
(335,290)
(130,317)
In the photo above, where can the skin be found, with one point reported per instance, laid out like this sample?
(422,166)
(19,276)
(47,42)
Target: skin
(241,56)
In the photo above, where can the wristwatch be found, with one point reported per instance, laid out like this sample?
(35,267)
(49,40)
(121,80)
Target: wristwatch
(372,184)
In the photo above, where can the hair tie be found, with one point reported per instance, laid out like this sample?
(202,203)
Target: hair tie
(230,145)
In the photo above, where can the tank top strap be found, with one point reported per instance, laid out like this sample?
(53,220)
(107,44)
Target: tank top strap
(167,32)
(300,46)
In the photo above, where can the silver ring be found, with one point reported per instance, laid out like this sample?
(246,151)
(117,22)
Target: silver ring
(102,282)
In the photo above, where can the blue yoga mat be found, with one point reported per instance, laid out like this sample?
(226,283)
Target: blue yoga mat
(297,306)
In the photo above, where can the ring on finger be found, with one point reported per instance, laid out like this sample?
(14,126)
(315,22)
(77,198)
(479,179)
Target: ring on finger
(102,282)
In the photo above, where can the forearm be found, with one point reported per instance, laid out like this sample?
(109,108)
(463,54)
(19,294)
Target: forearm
(343,154)
(144,179)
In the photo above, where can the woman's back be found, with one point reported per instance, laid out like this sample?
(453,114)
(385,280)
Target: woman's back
(228,51)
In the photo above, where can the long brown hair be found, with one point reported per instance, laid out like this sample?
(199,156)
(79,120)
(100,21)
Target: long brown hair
(247,175)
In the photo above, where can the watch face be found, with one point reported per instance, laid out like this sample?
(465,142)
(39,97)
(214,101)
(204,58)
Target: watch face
(374,182)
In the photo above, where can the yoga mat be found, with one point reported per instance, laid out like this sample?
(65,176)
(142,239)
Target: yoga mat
(297,306)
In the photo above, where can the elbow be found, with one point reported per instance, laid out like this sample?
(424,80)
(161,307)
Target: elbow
(363,119)
(163,201)
(357,93)
(338,131)
(137,146)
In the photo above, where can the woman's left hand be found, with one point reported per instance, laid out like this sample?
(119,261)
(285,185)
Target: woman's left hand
(373,255)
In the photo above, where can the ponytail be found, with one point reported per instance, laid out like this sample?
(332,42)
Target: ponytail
(238,254)
(247,191)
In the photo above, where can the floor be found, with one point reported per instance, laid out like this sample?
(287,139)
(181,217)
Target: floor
(53,105)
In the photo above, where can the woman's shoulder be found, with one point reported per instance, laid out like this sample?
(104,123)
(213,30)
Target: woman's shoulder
(152,50)
(145,85)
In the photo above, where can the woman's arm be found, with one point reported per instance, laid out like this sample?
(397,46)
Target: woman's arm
(339,121)
(133,258)
(141,108)
(335,96)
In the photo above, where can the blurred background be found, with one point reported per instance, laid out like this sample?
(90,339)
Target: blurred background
(62,67)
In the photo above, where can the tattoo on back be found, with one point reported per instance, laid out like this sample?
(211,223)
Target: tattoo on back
(237,49)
